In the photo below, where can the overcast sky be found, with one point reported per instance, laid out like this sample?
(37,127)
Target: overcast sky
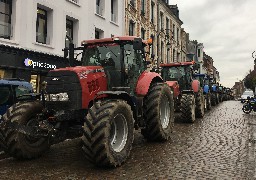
(227,28)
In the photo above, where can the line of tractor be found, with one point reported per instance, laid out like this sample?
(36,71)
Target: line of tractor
(104,100)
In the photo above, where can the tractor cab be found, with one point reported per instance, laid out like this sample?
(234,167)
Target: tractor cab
(181,72)
(204,82)
(122,59)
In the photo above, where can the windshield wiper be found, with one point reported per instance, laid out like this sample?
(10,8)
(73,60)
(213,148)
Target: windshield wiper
(110,50)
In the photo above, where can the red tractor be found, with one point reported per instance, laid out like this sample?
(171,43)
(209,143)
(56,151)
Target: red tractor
(103,101)
(188,94)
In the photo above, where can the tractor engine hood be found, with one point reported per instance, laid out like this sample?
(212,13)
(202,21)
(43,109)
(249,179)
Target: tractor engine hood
(78,84)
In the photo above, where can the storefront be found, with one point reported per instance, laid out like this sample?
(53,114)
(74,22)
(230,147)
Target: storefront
(28,65)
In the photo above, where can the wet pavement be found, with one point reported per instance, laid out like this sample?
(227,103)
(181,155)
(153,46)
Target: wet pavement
(219,146)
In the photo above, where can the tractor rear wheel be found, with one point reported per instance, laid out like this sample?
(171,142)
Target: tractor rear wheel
(158,113)
(188,107)
(17,144)
(200,105)
(108,133)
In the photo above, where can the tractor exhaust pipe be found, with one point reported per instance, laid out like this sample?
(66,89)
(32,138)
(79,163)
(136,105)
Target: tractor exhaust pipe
(69,52)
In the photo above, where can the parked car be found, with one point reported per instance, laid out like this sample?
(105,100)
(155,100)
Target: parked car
(11,91)
(246,94)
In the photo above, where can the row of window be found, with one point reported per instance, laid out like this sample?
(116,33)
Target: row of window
(44,19)
(41,28)
(41,23)
(167,29)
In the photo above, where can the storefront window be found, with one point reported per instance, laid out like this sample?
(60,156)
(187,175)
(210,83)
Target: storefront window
(35,82)
(5,18)
(1,74)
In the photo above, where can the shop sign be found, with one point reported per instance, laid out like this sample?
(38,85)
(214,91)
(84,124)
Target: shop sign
(28,62)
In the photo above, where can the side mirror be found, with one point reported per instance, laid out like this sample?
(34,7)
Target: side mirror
(137,44)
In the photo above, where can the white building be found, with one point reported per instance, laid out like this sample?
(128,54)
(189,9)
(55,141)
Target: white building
(42,25)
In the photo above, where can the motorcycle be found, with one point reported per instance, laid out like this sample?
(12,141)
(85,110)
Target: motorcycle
(249,105)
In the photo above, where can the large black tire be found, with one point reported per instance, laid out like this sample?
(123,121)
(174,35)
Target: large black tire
(200,105)
(100,145)
(3,146)
(19,145)
(188,108)
(246,109)
(214,99)
(209,103)
(158,113)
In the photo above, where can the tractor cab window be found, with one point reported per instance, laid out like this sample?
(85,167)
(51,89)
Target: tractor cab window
(5,95)
(172,74)
(188,74)
(133,60)
(20,91)
(200,79)
(106,55)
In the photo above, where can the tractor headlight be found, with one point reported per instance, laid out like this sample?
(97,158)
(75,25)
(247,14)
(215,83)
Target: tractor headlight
(57,97)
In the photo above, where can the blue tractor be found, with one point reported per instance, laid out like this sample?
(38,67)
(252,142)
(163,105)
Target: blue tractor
(216,93)
(205,84)
(12,91)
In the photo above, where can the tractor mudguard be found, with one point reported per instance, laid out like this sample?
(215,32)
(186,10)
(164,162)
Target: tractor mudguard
(175,87)
(195,86)
(145,80)
(206,89)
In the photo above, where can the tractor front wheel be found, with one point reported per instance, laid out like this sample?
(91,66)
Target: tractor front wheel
(188,107)
(108,133)
(20,145)
(214,99)
(200,105)
(158,113)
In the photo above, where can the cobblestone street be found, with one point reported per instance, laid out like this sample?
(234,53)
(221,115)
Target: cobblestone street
(219,146)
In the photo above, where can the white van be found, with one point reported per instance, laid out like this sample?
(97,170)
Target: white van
(247,93)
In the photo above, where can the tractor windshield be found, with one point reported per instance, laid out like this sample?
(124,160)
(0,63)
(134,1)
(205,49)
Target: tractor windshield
(102,55)
(173,73)
(200,79)
(5,93)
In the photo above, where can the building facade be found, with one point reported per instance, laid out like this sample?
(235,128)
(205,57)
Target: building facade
(184,45)
(158,20)
(37,29)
